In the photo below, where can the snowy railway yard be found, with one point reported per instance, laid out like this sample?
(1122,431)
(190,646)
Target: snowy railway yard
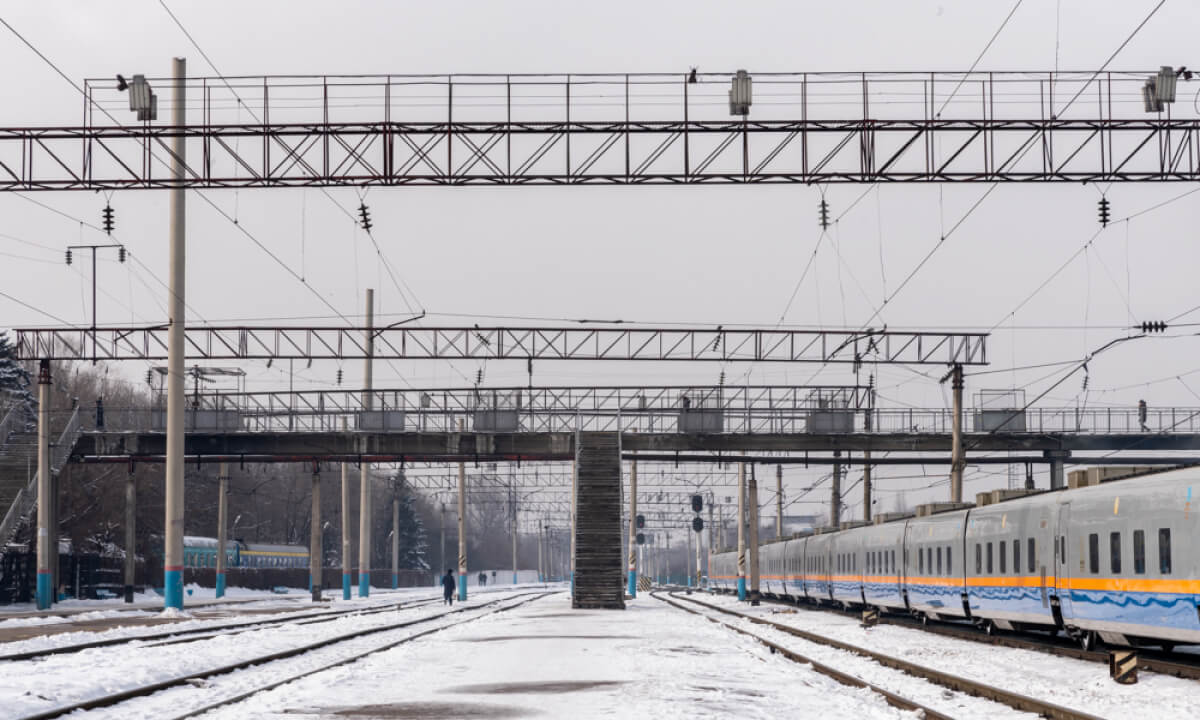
(522,652)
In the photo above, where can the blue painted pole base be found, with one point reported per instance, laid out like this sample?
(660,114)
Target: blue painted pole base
(689,580)
(221,585)
(45,596)
(173,588)
(346,586)
(514,577)
(364,584)
(632,583)
(741,588)
(395,581)
(462,587)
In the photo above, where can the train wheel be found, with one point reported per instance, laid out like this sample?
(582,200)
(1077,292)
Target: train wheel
(1087,641)
(989,627)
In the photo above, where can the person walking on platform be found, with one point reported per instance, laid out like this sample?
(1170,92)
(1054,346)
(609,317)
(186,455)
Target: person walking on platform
(1142,415)
(448,587)
(482,579)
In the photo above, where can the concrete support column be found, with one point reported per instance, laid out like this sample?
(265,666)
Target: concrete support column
(316,556)
(1057,460)
(741,531)
(176,322)
(574,522)
(395,542)
(867,489)
(633,490)
(364,489)
(687,557)
(45,492)
(667,561)
(513,525)
(699,569)
(957,455)
(778,502)
(541,562)
(712,533)
(462,527)
(752,501)
(347,540)
(131,535)
(222,525)
(835,500)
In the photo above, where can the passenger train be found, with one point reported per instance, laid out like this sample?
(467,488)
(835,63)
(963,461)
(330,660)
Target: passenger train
(1117,562)
(201,552)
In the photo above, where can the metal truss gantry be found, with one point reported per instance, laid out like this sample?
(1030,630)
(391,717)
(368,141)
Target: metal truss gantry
(622,129)
(514,343)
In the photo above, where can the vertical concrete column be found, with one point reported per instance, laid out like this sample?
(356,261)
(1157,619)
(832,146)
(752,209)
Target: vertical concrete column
(45,492)
(835,500)
(687,556)
(778,502)
(131,533)
(347,541)
(513,525)
(699,570)
(667,560)
(752,501)
(574,521)
(867,488)
(176,323)
(712,533)
(462,526)
(633,490)
(316,544)
(1057,459)
(222,524)
(741,531)
(957,456)
(442,556)
(541,563)
(364,478)
(395,542)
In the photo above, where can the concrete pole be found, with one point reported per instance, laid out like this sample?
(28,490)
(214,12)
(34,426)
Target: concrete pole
(395,542)
(364,477)
(687,557)
(957,456)
(699,571)
(835,499)
(741,531)
(541,566)
(667,560)
(462,525)
(513,520)
(574,519)
(633,565)
(316,544)
(173,504)
(131,535)
(347,541)
(778,502)
(442,555)
(712,533)
(752,501)
(45,495)
(867,489)
(222,524)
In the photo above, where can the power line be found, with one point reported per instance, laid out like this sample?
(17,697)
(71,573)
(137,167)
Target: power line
(982,52)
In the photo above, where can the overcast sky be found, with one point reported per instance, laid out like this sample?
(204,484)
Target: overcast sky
(711,255)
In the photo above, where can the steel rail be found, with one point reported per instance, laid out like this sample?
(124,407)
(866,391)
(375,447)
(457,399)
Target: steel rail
(1012,699)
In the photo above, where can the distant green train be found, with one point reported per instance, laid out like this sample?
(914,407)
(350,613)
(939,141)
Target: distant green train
(201,552)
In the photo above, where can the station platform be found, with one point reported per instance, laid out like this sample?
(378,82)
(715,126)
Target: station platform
(544,659)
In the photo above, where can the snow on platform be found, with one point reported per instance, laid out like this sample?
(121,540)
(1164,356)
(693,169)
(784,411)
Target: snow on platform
(546,660)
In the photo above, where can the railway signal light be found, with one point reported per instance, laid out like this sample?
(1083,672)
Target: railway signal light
(1104,214)
(823,214)
(1154,326)
(697,524)
(364,215)
(697,503)
(641,521)
(641,539)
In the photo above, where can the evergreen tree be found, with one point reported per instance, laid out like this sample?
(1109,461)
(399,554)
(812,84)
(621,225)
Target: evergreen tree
(413,544)
(15,382)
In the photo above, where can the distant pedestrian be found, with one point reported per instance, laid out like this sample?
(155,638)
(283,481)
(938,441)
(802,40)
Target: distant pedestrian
(448,587)
(482,579)
(1142,415)
(493,577)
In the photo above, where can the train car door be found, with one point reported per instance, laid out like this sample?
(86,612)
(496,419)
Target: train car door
(1062,570)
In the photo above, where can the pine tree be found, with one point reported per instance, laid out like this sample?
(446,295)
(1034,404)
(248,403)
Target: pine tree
(412,536)
(15,382)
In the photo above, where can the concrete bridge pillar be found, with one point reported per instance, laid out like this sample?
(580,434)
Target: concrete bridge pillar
(598,562)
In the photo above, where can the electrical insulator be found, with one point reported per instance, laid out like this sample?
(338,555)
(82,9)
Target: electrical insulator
(149,377)
(68,257)
(641,521)
(339,376)
(1104,215)
(107,214)
(824,214)
(121,253)
(721,380)
(479,376)
(697,503)
(364,215)
(1154,326)
(697,524)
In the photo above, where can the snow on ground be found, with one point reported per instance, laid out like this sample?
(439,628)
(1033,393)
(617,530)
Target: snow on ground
(544,659)
(32,686)
(1076,684)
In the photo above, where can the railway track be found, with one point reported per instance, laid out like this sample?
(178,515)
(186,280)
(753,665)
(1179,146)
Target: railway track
(1164,663)
(197,678)
(1012,699)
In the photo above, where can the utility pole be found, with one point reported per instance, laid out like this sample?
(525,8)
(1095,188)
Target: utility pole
(347,543)
(131,539)
(120,255)
(176,350)
(442,556)
(835,502)
(222,524)
(957,456)
(752,500)
(462,524)
(778,502)
(45,496)
(541,566)
(574,520)
(395,540)
(633,565)
(687,556)
(316,555)
(364,490)
(513,525)
(712,530)
(741,531)
(667,558)
(867,489)
(699,571)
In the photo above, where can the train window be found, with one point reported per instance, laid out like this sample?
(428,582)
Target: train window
(990,566)
(978,559)
(892,562)
(1062,549)
(939,558)
(1016,557)
(1094,553)
(1114,552)
(1164,551)
(1139,552)
(949,564)
(1003,557)
(1032,561)
(920,561)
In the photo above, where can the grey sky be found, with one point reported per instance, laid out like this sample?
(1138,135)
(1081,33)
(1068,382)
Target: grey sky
(680,255)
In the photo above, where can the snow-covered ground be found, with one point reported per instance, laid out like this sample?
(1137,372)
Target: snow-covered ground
(1075,684)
